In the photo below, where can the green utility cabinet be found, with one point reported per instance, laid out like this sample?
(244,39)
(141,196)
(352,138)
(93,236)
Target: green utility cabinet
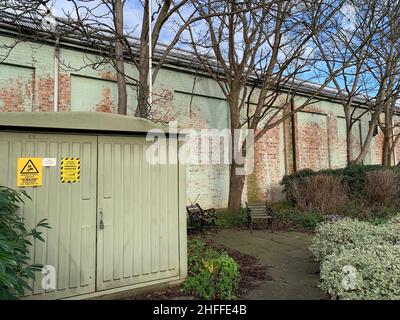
(122,225)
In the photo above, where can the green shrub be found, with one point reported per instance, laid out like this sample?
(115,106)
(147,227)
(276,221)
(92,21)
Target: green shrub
(288,180)
(354,175)
(291,218)
(324,193)
(226,219)
(310,219)
(15,270)
(332,238)
(370,190)
(359,260)
(382,187)
(370,272)
(212,274)
(395,220)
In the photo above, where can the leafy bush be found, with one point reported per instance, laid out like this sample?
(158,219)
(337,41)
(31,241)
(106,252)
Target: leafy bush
(395,220)
(370,190)
(382,187)
(359,260)
(375,273)
(354,175)
(15,270)
(298,176)
(332,238)
(212,274)
(324,193)
(226,219)
(289,218)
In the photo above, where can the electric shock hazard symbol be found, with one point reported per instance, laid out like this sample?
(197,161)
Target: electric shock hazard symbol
(29,172)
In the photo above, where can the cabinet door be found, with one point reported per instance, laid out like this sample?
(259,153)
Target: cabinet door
(137,235)
(70,244)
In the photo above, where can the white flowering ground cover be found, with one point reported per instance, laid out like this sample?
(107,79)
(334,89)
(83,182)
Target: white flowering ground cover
(359,260)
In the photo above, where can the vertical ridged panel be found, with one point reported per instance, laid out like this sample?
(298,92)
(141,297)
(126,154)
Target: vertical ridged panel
(140,239)
(137,207)
(41,207)
(4,158)
(53,205)
(154,216)
(65,227)
(75,225)
(173,253)
(146,213)
(126,210)
(163,216)
(70,210)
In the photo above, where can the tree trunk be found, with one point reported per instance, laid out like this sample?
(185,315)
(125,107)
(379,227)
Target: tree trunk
(366,145)
(143,93)
(349,146)
(387,137)
(236,184)
(349,139)
(119,57)
(386,158)
(142,109)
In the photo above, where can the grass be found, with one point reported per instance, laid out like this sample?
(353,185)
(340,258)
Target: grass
(226,219)
(288,217)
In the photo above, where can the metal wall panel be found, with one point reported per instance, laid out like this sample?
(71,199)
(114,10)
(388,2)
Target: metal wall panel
(70,208)
(140,239)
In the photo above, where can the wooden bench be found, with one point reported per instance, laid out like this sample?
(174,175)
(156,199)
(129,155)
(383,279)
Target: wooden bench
(199,216)
(259,210)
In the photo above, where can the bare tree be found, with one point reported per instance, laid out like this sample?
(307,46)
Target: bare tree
(101,25)
(347,43)
(118,18)
(260,57)
(386,73)
(15,12)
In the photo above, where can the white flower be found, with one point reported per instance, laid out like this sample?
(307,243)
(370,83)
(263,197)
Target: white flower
(349,281)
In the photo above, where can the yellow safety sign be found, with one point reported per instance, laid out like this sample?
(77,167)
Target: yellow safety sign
(29,172)
(70,170)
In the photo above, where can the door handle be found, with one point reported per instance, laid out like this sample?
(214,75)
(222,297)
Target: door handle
(101,216)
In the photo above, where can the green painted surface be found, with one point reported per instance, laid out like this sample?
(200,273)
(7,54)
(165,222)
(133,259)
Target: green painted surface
(70,208)
(144,234)
(139,242)
(98,93)
(96,121)
(87,89)
(16,87)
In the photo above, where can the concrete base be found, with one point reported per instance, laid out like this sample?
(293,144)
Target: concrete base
(119,293)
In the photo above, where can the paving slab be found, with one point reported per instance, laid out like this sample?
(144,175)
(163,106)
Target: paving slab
(291,267)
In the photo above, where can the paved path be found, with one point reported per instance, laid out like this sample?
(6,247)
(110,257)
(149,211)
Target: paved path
(293,273)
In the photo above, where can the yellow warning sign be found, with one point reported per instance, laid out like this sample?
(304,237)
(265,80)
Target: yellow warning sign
(70,170)
(29,172)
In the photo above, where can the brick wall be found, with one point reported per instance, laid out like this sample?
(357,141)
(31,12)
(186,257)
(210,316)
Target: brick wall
(27,84)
